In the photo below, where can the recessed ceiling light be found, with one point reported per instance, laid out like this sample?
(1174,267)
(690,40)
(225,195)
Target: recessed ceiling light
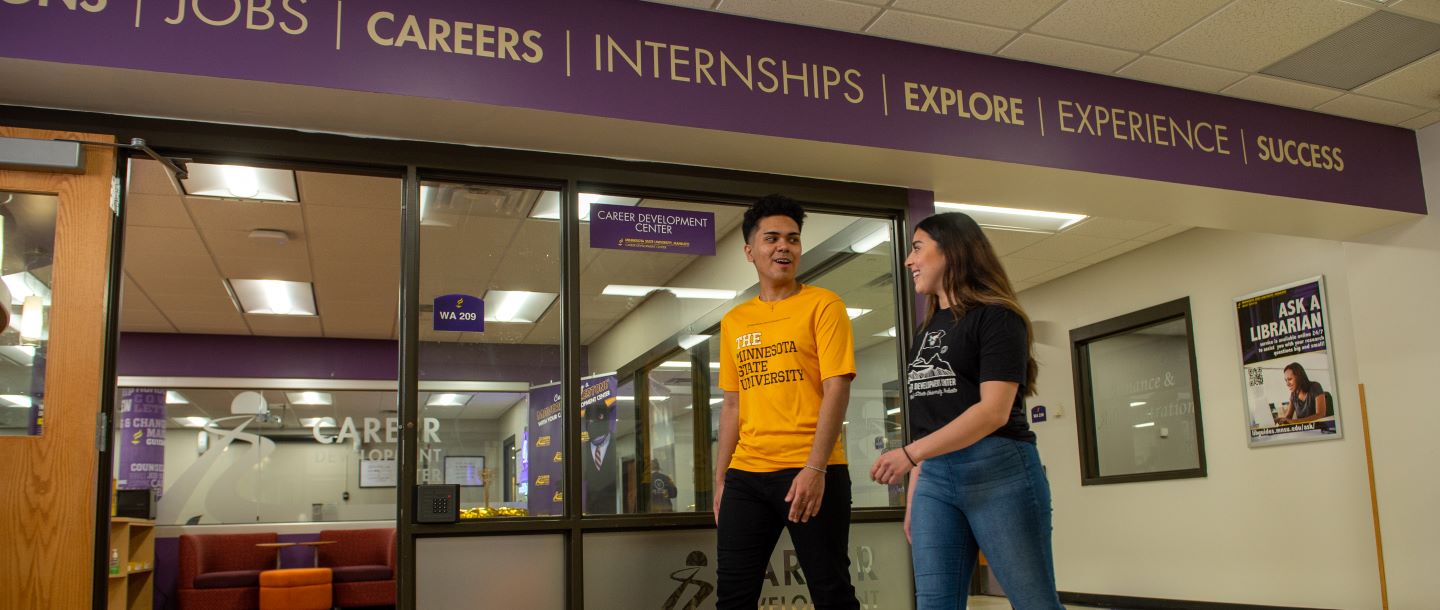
(309,398)
(448,400)
(22,285)
(317,422)
(175,398)
(274,297)
(889,332)
(682,364)
(1138,404)
(516,306)
(632,398)
(855,312)
(868,243)
(690,341)
(17,400)
(623,290)
(893,411)
(716,401)
(240,182)
(1145,425)
(1013,219)
(193,422)
(548,206)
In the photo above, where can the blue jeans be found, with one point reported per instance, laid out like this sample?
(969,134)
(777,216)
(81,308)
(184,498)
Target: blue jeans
(992,496)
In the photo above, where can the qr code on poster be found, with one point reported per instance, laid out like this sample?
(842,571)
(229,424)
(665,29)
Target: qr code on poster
(1255,376)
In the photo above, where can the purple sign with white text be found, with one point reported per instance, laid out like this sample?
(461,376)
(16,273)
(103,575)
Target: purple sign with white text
(649,62)
(620,227)
(141,439)
(459,313)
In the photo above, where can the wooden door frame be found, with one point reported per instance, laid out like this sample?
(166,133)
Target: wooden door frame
(53,504)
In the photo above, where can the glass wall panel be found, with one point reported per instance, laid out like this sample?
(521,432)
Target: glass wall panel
(27,257)
(491,572)
(489,359)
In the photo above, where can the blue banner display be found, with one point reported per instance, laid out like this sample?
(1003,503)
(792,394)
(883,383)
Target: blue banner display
(460,313)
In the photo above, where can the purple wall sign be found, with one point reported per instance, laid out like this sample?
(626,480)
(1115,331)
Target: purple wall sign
(664,64)
(459,313)
(141,441)
(547,470)
(1037,414)
(620,227)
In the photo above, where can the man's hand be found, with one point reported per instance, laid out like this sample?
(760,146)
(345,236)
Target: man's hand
(806,493)
(719,490)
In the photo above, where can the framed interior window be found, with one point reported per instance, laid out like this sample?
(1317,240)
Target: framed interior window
(1137,397)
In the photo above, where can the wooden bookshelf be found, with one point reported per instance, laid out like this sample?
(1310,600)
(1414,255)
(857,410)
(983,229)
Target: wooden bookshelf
(133,586)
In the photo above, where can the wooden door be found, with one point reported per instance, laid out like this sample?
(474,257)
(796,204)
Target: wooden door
(49,482)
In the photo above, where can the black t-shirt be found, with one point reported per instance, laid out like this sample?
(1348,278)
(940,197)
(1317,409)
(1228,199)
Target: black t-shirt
(952,359)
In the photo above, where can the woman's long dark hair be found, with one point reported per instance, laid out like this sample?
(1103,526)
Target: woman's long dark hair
(974,277)
(1302,379)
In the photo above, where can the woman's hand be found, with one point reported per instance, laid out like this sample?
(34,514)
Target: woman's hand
(891,467)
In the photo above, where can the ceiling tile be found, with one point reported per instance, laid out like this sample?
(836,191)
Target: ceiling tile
(1180,74)
(1420,9)
(1163,232)
(284,326)
(819,13)
(1007,242)
(349,191)
(1417,84)
(1067,248)
(226,215)
(1422,121)
(938,32)
(1111,252)
(359,236)
(1370,109)
(341,280)
(1251,34)
(144,210)
(1024,268)
(1114,228)
(1014,14)
(208,321)
(239,256)
(1280,91)
(1056,52)
(1056,273)
(1137,25)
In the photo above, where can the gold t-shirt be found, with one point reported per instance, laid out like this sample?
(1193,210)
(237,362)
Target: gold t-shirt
(775,355)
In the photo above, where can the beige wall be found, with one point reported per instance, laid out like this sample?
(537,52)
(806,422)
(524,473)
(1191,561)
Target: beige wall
(1287,525)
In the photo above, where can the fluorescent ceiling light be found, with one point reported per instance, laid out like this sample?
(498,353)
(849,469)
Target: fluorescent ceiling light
(682,364)
(548,206)
(855,312)
(17,400)
(175,398)
(1138,404)
(193,422)
(32,319)
(623,290)
(1014,219)
(1145,425)
(889,332)
(240,182)
(868,243)
(690,341)
(317,422)
(24,284)
(716,401)
(894,411)
(448,400)
(309,398)
(23,355)
(274,297)
(632,398)
(516,306)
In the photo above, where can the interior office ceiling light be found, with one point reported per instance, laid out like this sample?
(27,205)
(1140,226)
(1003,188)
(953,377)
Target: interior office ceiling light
(1013,219)
(309,398)
(175,398)
(448,400)
(317,422)
(624,290)
(17,400)
(193,422)
(1145,425)
(855,312)
(1138,404)
(690,341)
(23,355)
(32,319)
(516,306)
(868,243)
(241,182)
(652,398)
(892,411)
(274,297)
(682,364)
(889,332)
(548,206)
(24,284)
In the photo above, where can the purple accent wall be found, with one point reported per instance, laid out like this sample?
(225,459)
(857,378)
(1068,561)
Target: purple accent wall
(921,206)
(177,355)
(642,61)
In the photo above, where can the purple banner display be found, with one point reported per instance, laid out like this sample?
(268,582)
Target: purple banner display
(664,64)
(141,440)
(547,468)
(621,227)
(1283,322)
(459,313)
(601,462)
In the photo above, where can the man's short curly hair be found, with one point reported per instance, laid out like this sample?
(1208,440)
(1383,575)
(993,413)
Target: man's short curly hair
(771,205)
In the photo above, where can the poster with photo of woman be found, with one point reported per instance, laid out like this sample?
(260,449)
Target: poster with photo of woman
(1287,366)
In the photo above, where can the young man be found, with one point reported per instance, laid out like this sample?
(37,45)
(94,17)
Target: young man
(786,361)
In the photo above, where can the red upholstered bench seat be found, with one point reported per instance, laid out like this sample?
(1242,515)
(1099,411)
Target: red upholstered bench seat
(225,580)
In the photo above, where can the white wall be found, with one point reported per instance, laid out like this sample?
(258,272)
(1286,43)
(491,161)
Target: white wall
(1287,525)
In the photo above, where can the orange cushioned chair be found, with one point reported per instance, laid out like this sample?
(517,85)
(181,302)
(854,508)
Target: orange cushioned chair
(296,589)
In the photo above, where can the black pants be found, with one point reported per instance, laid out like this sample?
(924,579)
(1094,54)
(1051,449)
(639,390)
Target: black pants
(753,512)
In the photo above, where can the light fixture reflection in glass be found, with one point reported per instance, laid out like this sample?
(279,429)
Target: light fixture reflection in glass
(317,422)
(32,319)
(175,398)
(889,332)
(868,243)
(448,400)
(193,422)
(1015,219)
(309,398)
(1145,425)
(624,290)
(17,400)
(855,312)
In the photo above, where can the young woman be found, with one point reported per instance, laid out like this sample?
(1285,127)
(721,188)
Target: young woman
(975,476)
(1308,400)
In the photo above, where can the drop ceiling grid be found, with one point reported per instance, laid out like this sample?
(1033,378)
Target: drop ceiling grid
(1214,46)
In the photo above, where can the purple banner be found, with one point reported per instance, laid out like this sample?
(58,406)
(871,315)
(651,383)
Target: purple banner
(663,64)
(601,462)
(141,440)
(620,227)
(547,470)
(459,313)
